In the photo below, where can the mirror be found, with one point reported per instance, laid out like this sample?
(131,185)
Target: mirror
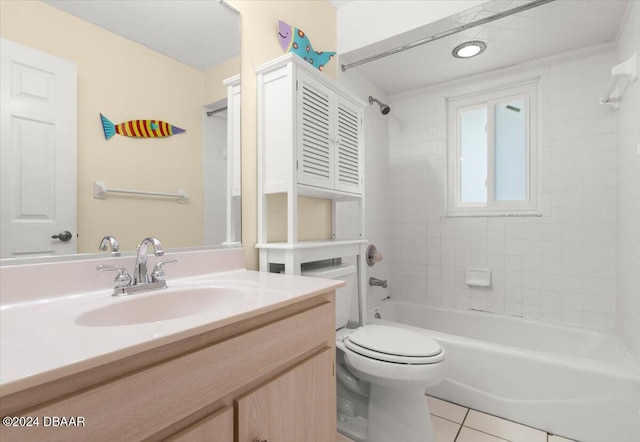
(145,62)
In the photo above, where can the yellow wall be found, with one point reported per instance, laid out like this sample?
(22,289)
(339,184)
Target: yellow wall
(318,19)
(214,88)
(126,81)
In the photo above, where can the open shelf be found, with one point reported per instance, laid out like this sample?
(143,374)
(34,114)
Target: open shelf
(308,251)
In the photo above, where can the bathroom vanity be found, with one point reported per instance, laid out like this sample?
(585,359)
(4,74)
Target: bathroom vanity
(258,367)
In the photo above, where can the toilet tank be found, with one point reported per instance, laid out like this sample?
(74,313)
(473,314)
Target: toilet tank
(347,296)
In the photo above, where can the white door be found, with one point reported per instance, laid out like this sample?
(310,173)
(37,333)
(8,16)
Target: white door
(37,152)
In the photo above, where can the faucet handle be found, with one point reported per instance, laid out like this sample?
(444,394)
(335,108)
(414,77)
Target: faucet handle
(122,280)
(158,271)
(373,256)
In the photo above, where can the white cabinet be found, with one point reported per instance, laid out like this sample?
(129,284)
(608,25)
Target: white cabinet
(329,137)
(309,124)
(310,143)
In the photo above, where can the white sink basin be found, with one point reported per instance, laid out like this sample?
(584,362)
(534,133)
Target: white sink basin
(163,305)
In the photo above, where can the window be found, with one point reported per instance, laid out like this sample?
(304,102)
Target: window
(492,150)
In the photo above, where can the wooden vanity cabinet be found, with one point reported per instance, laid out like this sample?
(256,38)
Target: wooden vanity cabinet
(290,408)
(270,377)
(217,427)
(293,406)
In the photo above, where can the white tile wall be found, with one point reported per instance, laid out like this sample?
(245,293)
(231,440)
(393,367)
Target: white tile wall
(628,194)
(556,268)
(214,178)
(376,183)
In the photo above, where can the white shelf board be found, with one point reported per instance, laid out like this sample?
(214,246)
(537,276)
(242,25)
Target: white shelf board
(310,251)
(311,244)
(313,192)
(317,192)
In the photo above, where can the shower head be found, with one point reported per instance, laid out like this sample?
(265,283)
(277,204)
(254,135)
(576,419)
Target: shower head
(384,108)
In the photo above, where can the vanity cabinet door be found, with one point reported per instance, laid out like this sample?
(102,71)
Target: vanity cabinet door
(299,405)
(217,427)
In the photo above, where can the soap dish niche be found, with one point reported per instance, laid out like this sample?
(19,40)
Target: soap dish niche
(478,277)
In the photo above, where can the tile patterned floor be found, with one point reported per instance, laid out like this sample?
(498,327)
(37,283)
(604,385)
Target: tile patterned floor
(454,423)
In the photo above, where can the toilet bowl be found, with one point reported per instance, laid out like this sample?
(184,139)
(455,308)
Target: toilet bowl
(393,367)
(399,365)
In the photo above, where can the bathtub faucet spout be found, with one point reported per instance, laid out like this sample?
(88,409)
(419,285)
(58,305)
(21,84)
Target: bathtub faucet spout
(378,282)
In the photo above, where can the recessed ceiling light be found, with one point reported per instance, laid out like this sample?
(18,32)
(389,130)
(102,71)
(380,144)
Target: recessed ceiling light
(469,49)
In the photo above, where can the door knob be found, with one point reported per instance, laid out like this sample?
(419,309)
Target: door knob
(63,236)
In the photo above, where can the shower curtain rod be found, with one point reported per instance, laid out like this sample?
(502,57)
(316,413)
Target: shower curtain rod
(213,112)
(499,15)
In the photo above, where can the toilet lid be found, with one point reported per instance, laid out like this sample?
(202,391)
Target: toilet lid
(392,341)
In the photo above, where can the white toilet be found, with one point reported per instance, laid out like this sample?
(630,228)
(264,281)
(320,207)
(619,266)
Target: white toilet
(398,364)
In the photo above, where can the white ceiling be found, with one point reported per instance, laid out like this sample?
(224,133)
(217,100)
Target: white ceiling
(199,33)
(556,27)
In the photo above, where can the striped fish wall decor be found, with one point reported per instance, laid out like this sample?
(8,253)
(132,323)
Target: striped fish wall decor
(139,128)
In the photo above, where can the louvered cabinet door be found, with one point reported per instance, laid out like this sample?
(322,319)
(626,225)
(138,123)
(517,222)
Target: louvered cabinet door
(348,147)
(315,149)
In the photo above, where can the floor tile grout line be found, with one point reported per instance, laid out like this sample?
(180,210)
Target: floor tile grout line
(489,434)
(468,410)
(446,418)
(508,420)
(452,403)
(466,414)
(461,425)
(492,415)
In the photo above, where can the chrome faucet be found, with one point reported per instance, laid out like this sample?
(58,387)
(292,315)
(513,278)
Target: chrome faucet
(109,242)
(140,275)
(378,282)
(141,281)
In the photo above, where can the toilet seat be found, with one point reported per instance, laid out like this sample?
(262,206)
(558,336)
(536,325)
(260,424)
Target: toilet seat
(394,345)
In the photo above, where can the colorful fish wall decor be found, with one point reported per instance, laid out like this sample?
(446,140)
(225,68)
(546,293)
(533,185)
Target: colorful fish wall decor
(139,128)
(295,40)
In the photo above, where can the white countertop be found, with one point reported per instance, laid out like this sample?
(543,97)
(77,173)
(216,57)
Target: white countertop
(42,339)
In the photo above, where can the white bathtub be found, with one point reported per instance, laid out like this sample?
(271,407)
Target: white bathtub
(576,383)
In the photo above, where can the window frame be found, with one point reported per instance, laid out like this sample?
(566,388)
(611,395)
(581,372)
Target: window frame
(489,98)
